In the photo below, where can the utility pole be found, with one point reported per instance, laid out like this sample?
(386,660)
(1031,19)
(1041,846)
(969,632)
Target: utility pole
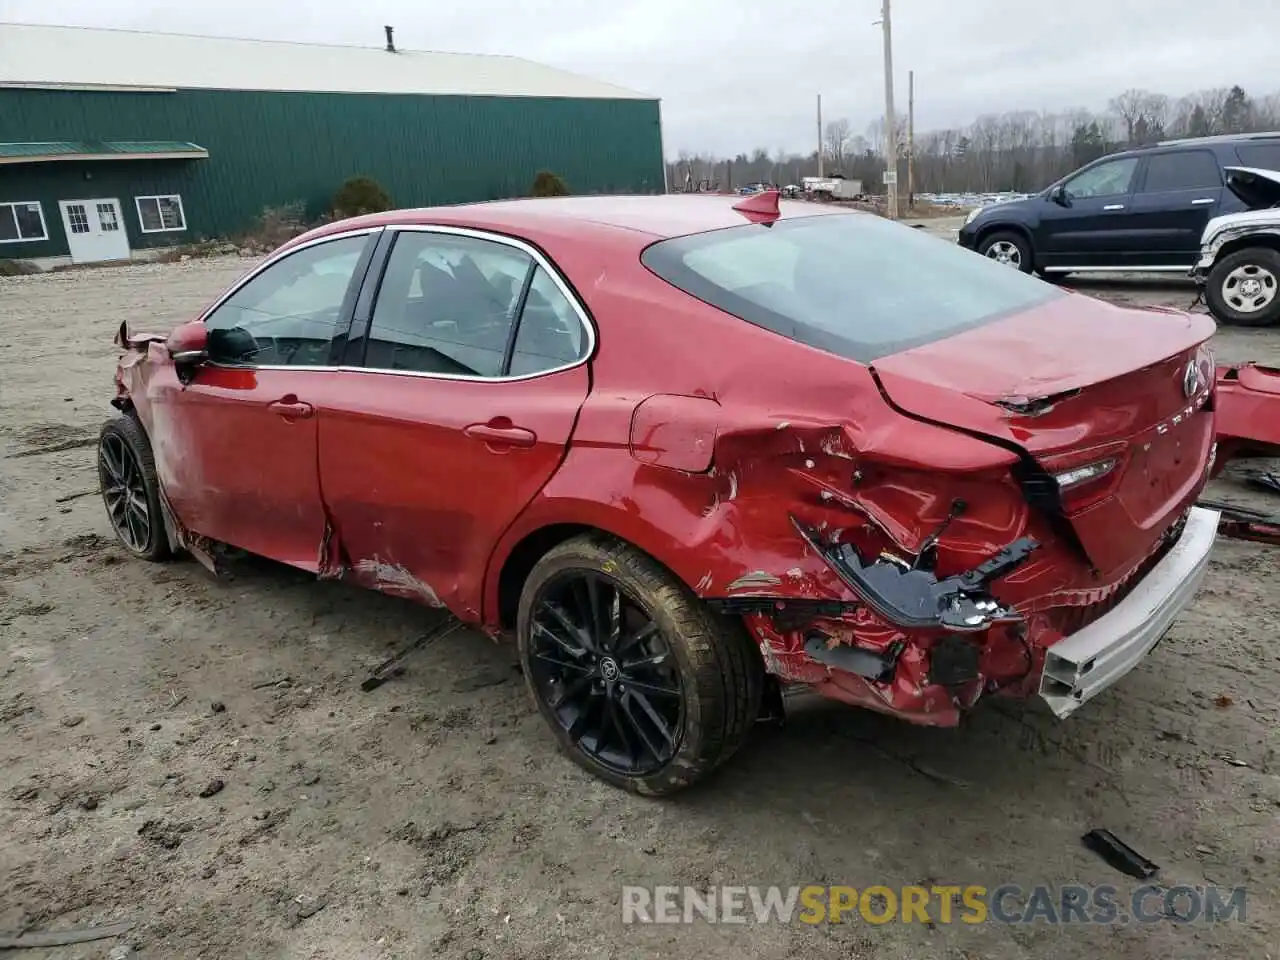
(891,127)
(819,135)
(911,139)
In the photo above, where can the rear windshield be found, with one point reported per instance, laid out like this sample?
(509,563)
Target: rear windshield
(855,285)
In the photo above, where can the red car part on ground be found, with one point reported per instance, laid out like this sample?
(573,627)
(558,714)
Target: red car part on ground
(681,446)
(1248,412)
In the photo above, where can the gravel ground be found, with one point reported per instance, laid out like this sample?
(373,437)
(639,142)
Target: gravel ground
(196,755)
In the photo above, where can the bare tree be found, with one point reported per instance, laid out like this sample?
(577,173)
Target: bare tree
(835,139)
(1016,150)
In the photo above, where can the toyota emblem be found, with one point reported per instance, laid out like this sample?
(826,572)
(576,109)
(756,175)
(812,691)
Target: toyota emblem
(1192,381)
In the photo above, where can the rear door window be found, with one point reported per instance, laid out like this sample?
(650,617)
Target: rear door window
(855,285)
(1185,170)
(551,334)
(457,305)
(447,305)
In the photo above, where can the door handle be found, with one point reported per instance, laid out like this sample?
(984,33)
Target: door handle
(501,432)
(1202,200)
(1114,206)
(291,408)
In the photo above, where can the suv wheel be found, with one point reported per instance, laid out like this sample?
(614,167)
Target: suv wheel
(1009,248)
(642,684)
(1244,288)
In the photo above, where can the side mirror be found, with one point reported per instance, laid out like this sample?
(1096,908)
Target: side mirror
(188,345)
(1060,196)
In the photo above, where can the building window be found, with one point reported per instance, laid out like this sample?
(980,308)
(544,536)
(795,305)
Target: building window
(158,214)
(78,217)
(107,219)
(21,221)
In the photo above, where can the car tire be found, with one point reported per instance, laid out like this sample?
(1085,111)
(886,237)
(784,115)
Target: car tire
(130,490)
(1009,247)
(1239,274)
(608,715)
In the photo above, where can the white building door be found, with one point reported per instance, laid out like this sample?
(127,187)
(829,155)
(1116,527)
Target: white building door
(95,230)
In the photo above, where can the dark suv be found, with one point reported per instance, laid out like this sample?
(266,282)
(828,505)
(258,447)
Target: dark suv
(1143,209)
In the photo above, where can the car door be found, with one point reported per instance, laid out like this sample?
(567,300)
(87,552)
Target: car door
(1179,191)
(1088,223)
(463,381)
(235,448)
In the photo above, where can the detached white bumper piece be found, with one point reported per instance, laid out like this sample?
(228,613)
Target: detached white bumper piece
(1079,667)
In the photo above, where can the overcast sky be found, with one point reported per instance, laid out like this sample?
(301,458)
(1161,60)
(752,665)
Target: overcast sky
(737,74)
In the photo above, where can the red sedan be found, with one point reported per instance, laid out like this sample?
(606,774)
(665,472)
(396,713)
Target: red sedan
(691,450)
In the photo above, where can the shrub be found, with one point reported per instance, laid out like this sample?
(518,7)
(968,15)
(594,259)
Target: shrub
(273,227)
(17,268)
(360,195)
(547,184)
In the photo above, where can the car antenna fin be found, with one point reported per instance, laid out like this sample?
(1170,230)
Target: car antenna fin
(760,207)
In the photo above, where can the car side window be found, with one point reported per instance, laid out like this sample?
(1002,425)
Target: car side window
(288,313)
(550,334)
(446,305)
(1185,170)
(1108,179)
(1263,155)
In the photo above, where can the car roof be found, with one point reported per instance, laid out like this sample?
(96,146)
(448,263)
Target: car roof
(656,217)
(1192,143)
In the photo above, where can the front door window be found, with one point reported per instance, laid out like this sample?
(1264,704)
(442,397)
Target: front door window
(1108,179)
(287,314)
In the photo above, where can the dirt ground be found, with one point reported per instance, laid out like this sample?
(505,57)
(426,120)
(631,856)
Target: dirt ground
(195,755)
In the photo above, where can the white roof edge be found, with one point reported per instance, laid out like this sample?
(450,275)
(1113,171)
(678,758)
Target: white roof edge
(40,55)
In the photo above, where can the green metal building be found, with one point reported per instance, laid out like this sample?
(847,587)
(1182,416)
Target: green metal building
(112,141)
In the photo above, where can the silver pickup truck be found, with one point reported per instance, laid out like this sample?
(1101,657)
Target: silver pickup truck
(1239,266)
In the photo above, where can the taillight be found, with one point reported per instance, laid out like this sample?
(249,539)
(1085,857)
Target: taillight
(1086,476)
(1073,478)
(1206,363)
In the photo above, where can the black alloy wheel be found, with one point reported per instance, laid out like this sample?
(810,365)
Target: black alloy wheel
(602,667)
(642,684)
(130,491)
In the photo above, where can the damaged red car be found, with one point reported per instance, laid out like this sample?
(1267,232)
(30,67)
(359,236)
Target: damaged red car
(691,450)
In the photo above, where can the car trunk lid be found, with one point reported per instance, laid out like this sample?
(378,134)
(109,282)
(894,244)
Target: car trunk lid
(1075,383)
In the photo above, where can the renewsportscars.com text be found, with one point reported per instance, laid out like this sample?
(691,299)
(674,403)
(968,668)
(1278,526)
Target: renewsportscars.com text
(940,904)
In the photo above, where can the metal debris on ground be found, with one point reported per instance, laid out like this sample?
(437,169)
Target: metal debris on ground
(393,666)
(1242,523)
(1119,855)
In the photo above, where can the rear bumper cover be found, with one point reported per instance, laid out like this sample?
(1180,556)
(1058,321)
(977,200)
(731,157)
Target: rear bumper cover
(1079,667)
